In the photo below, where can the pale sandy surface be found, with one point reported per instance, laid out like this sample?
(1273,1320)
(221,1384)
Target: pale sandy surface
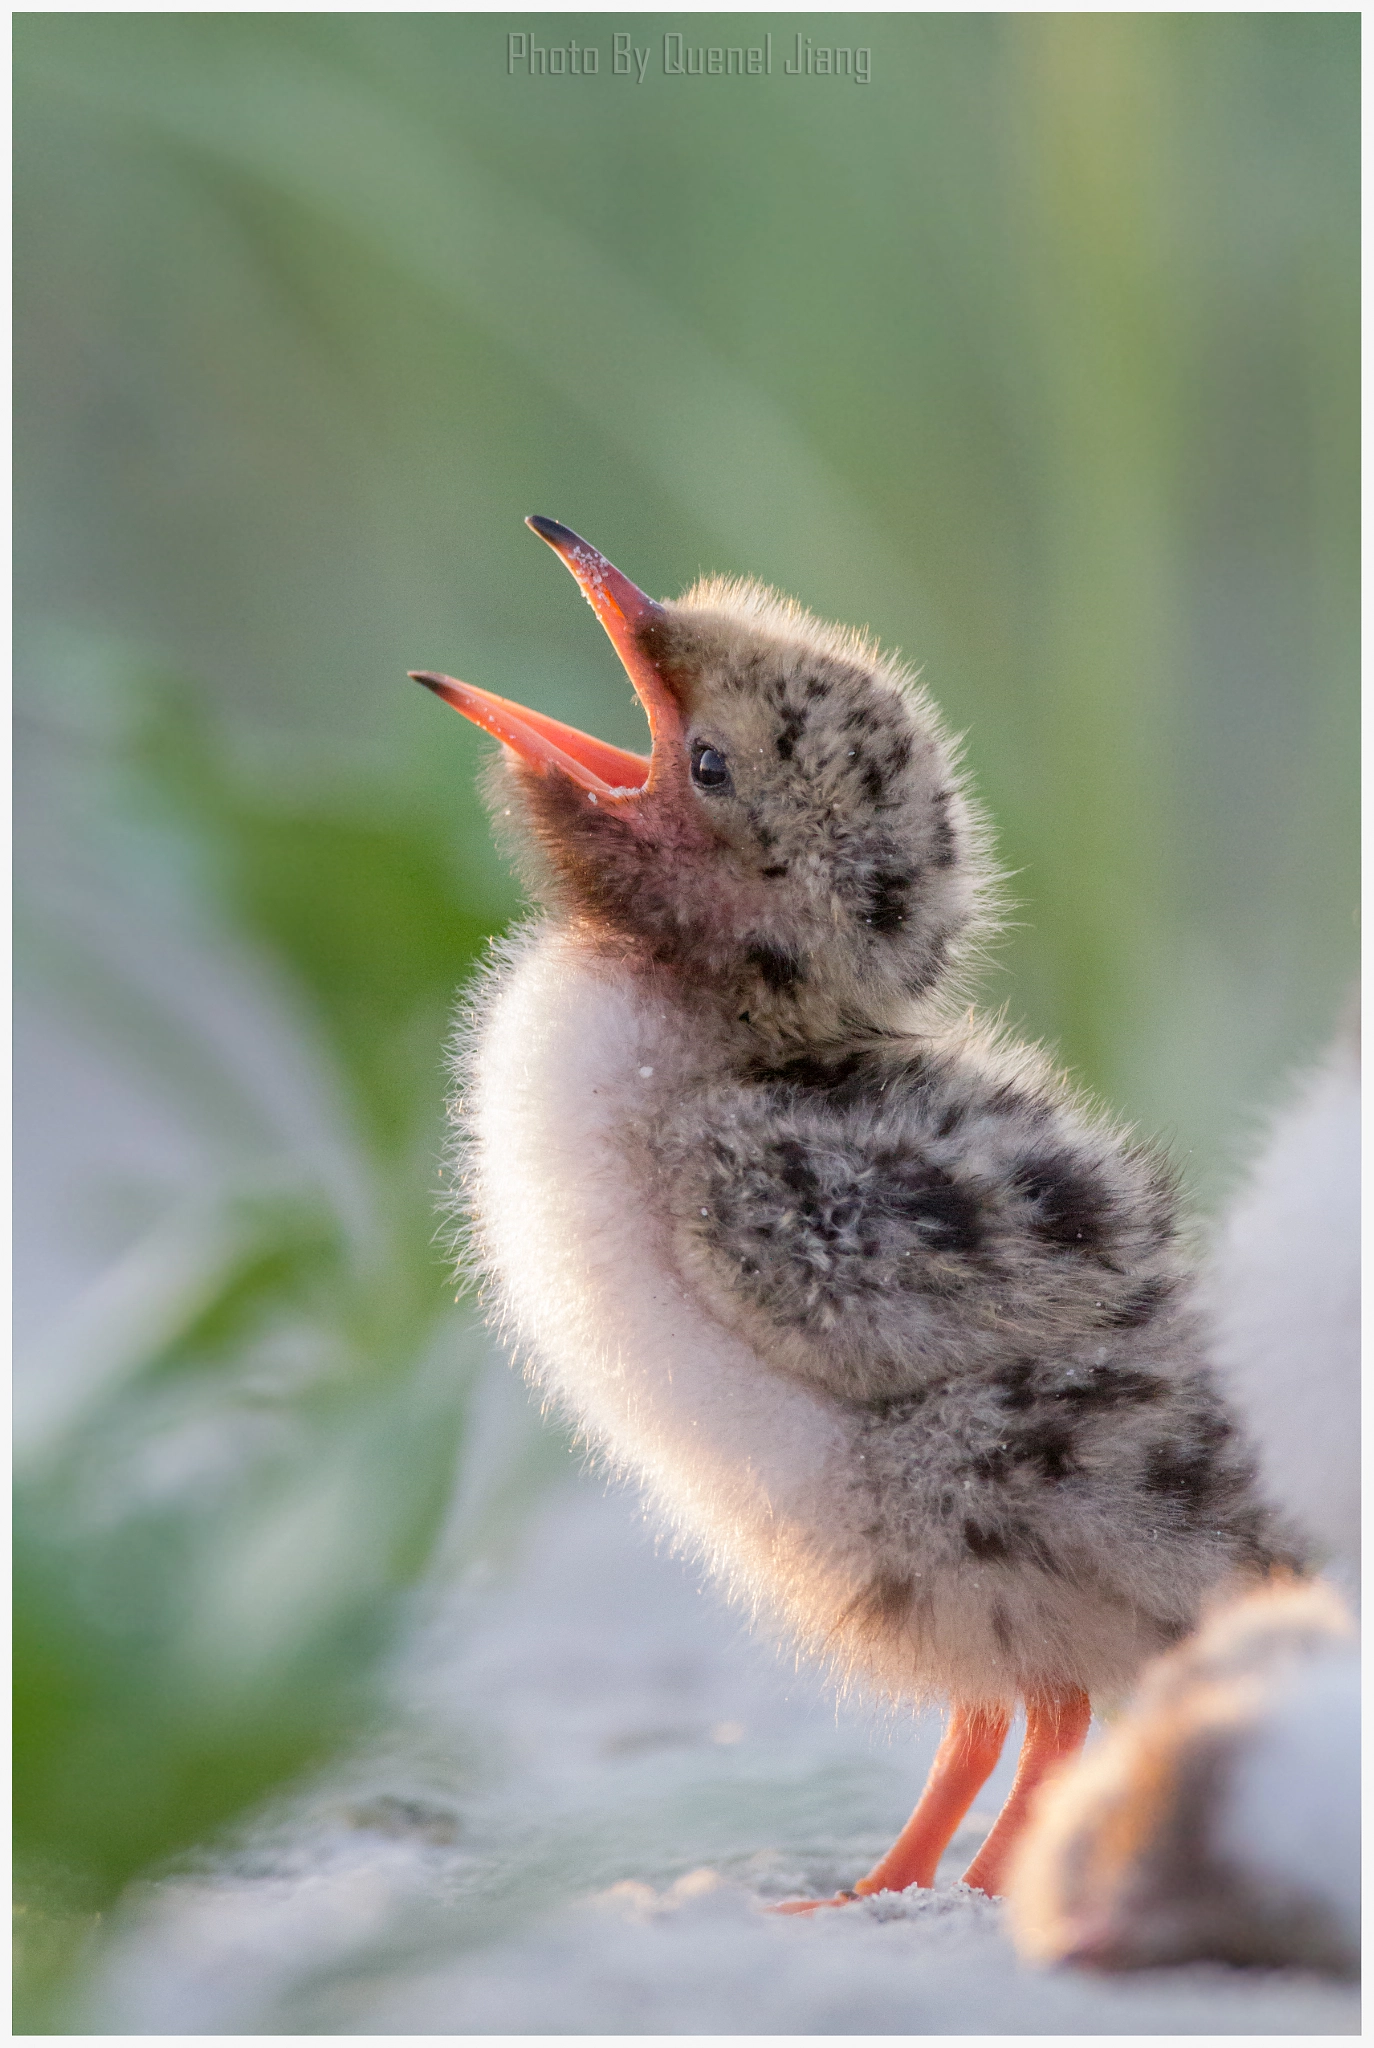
(597,1780)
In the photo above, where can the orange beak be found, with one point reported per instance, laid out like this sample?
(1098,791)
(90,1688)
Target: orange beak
(545,743)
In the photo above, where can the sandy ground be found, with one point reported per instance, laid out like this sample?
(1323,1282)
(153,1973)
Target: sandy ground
(596,1780)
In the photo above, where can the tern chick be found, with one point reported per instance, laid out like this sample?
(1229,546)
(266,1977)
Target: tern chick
(1219,1819)
(893,1328)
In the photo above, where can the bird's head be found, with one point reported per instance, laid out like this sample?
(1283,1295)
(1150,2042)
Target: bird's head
(797,847)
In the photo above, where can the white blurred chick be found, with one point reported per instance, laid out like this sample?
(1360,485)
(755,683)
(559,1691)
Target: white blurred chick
(1283,1294)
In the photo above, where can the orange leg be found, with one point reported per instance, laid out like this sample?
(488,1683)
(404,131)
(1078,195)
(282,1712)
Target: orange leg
(963,1764)
(1056,1727)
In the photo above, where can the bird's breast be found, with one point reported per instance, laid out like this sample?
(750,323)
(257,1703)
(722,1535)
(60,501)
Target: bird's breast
(570,1064)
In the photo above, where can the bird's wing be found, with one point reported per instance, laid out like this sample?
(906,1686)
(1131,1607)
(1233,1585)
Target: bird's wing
(861,1238)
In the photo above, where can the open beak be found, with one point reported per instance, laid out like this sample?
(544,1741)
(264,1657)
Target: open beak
(546,743)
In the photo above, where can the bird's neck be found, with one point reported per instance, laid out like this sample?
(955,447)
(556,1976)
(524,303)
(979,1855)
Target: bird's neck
(754,1012)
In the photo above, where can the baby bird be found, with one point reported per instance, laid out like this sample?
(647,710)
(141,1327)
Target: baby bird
(1283,1294)
(1219,1819)
(892,1327)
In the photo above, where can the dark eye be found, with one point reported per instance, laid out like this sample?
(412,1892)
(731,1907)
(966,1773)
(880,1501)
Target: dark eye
(708,768)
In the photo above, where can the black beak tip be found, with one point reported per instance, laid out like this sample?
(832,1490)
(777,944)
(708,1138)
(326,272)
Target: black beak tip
(551,530)
(425,676)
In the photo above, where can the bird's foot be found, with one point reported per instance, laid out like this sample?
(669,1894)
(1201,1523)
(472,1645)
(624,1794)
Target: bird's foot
(865,1889)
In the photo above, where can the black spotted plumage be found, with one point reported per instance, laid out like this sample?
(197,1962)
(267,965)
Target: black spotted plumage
(889,897)
(780,968)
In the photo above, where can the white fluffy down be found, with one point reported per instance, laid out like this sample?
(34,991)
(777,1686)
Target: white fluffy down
(740,1463)
(1285,1294)
(1290,1819)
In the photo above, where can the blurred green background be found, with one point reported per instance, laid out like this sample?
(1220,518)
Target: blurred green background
(1038,354)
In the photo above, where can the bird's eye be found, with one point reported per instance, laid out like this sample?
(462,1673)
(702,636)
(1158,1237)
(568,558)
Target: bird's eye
(709,770)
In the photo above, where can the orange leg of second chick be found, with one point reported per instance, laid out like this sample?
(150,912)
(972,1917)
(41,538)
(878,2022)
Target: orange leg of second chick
(1056,1727)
